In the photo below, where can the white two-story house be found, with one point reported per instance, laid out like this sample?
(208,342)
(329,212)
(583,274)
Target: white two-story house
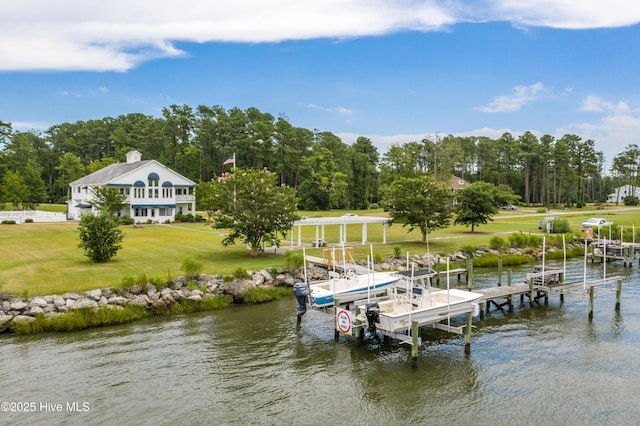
(154,191)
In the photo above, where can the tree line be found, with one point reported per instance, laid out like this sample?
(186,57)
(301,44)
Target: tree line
(36,167)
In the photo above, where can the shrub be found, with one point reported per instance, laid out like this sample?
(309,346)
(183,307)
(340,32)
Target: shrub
(99,237)
(241,273)
(29,220)
(8,222)
(631,200)
(126,220)
(497,243)
(377,257)
(374,206)
(541,210)
(180,217)
(518,240)
(128,281)
(141,279)
(191,267)
(468,249)
(534,240)
(157,281)
(396,251)
(560,226)
(293,260)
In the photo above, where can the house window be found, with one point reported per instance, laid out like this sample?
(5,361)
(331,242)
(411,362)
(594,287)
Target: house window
(140,212)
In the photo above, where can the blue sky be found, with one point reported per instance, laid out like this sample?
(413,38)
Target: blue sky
(393,71)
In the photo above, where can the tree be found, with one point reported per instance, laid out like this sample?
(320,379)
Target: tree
(253,207)
(418,202)
(14,189)
(108,200)
(476,204)
(100,237)
(363,184)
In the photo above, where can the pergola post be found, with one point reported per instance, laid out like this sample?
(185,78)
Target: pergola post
(364,233)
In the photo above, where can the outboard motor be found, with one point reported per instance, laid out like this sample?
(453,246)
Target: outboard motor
(372,311)
(301,290)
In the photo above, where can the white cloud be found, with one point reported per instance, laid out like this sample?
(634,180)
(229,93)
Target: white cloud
(570,14)
(521,95)
(340,109)
(596,104)
(117,35)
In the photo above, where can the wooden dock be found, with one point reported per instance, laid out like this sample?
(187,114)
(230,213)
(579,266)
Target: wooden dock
(608,251)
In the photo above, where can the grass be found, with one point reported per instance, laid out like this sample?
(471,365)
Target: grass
(43,259)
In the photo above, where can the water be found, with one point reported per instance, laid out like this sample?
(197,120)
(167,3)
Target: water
(252,365)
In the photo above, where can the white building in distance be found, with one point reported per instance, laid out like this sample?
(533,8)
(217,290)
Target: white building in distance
(154,191)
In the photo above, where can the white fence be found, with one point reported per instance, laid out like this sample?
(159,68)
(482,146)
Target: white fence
(36,215)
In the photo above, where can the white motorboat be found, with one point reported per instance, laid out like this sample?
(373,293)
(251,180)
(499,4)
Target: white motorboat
(349,288)
(424,305)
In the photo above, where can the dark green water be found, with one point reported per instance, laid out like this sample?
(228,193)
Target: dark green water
(545,365)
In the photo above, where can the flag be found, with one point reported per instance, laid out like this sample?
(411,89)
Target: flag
(230,160)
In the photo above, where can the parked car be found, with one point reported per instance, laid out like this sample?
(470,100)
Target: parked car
(547,219)
(509,207)
(595,221)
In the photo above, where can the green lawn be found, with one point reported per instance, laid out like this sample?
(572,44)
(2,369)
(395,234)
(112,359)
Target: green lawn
(44,258)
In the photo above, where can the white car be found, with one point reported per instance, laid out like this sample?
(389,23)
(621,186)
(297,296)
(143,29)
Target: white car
(595,221)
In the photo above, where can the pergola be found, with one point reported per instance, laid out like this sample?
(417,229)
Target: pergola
(342,221)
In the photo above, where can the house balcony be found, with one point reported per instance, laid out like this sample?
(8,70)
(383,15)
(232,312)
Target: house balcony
(185,198)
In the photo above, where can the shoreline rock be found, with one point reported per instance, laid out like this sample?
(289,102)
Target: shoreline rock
(148,295)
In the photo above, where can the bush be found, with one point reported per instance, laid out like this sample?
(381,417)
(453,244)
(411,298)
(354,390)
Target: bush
(241,273)
(468,249)
(518,240)
(534,240)
(126,220)
(560,226)
(180,217)
(99,237)
(631,200)
(541,210)
(142,280)
(497,243)
(374,206)
(29,220)
(396,251)
(293,260)
(128,281)
(8,222)
(191,267)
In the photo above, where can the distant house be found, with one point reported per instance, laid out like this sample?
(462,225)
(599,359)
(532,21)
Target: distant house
(154,191)
(456,183)
(621,192)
